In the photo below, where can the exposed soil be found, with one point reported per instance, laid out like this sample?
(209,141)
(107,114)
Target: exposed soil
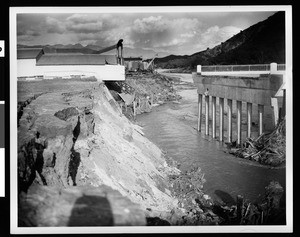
(77,135)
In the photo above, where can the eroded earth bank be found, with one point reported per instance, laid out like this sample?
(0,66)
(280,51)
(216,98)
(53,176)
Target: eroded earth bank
(82,162)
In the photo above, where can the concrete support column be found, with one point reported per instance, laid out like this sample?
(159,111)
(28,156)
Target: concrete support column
(213,98)
(239,121)
(260,118)
(221,113)
(229,117)
(249,119)
(199,112)
(207,115)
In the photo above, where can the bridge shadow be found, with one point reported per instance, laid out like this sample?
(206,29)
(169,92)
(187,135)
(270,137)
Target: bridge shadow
(91,211)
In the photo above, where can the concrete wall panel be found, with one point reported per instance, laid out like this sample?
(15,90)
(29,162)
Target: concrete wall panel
(253,90)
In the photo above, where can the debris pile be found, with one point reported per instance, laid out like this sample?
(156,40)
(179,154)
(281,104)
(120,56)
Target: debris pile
(268,149)
(144,90)
(271,210)
(188,188)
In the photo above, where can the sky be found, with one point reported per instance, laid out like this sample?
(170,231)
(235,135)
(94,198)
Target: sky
(180,33)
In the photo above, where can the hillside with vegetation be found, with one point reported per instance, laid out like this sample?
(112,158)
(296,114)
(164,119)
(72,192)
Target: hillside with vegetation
(261,43)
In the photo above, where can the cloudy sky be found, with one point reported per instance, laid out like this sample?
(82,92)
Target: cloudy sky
(176,33)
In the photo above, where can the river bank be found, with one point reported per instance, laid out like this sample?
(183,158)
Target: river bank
(173,127)
(82,138)
(74,138)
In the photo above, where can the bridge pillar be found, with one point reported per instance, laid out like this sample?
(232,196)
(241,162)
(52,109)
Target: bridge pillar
(221,113)
(199,112)
(239,121)
(207,115)
(249,119)
(213,98)
(260,118)
(229,118)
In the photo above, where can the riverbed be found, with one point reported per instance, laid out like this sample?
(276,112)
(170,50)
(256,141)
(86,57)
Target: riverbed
(173,127)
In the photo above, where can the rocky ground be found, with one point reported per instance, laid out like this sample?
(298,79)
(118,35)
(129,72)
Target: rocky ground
(75,135)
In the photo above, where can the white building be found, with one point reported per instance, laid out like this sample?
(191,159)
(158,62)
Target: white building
(26,63)
(34,63)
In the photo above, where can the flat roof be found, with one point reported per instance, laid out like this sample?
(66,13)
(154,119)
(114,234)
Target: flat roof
(28,53)
(76,59)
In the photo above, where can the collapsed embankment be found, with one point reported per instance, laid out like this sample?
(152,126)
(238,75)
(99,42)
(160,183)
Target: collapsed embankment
(81,138)
(79,156)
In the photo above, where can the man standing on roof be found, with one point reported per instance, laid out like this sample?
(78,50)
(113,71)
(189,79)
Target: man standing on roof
(120,45)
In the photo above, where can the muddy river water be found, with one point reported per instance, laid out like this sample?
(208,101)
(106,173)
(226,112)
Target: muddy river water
(172,127)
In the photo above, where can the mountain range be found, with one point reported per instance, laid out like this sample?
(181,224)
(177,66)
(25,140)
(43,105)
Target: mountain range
(262,43)
(94,49)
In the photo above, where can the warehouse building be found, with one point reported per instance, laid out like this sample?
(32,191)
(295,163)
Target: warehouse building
(33,63)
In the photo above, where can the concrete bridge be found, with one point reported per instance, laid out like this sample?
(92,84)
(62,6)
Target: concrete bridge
(262,85)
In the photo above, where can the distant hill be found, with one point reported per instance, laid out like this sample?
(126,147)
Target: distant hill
(261,43)
(93,49)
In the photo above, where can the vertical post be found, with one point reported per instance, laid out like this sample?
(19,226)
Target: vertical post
(274,104)
(240,208)
(199,69)
(249,119)
(221,104)
(283,104)
(206,114)
(239,121)
(199,112)
(273,68)
(213,116)
(260,118)
(229,116)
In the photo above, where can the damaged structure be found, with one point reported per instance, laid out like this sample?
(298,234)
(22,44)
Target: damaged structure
(34,63)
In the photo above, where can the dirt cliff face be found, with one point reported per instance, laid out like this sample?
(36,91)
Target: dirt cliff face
(80,137)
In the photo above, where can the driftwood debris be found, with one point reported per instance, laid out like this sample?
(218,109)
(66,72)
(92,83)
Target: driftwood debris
(77,206)
(266,149)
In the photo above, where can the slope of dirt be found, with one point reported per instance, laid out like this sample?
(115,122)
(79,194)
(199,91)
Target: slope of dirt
(82,138)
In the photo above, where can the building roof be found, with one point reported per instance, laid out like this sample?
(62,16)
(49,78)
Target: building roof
(133,59)
(29,53)
(76,59)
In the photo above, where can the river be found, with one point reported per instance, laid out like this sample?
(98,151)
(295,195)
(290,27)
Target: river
(172,127)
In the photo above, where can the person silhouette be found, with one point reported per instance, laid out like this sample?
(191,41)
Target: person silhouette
(120,45)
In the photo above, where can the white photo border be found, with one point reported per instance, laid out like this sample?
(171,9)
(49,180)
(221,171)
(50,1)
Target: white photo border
(14,229)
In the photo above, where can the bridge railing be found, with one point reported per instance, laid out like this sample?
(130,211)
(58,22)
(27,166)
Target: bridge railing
(240,69)
(280,67)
